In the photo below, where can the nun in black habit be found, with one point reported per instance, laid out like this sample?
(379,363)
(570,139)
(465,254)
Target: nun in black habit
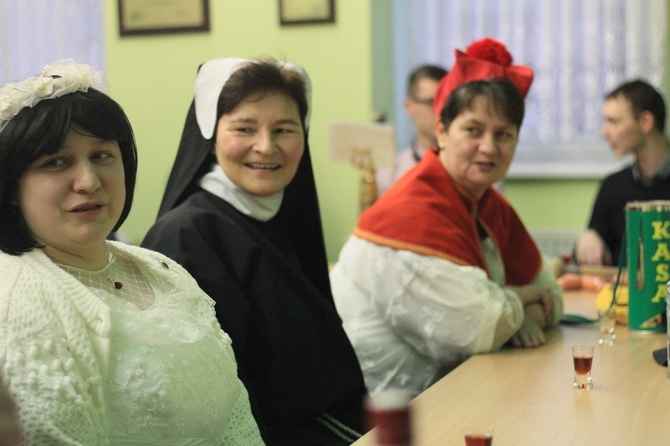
(261,257)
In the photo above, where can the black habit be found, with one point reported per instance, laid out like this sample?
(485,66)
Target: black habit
(272,292)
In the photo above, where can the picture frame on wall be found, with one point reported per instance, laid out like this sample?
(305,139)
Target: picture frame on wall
(302,12)
(140,17)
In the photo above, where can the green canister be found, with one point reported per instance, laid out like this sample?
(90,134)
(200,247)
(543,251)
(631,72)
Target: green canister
(648,245)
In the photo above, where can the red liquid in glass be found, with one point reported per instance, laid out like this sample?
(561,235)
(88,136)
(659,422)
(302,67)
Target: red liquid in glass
(583,364)
(478,440)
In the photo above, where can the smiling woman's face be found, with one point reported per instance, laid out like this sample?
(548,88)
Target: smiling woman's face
(259,144)
(478,147)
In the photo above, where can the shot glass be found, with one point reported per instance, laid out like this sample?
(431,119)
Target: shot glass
(606,325)
(478,436)
(582,356)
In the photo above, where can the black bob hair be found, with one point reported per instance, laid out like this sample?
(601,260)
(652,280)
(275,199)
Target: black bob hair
(41,130)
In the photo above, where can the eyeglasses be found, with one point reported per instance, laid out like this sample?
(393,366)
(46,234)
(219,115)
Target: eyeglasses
(427,101)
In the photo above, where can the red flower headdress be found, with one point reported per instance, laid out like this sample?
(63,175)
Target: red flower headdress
(483,59)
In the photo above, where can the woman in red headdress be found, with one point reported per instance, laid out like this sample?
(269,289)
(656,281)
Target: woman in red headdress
(441,267)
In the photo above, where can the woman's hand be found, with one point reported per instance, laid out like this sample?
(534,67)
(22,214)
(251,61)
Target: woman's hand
(530,334)
(591,249)
(535,294)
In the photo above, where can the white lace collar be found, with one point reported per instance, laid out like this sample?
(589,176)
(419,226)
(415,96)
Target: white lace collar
(258,208)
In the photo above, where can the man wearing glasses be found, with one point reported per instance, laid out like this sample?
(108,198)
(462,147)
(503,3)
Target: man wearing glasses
(421,89)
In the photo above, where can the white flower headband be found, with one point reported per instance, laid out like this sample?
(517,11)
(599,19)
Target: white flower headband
(58,79)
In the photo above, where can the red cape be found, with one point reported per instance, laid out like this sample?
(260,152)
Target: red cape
(427,213)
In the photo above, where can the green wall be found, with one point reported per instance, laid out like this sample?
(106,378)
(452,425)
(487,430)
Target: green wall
(153,76)
(552,204)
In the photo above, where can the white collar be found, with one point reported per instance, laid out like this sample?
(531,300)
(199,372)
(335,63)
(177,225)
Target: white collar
(258,208)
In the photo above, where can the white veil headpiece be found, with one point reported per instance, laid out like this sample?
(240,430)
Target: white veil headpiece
(211,78)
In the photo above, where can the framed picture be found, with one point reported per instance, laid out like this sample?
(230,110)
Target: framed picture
(300,12)
(138,17)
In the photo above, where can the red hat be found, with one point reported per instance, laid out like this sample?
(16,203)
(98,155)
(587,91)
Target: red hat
(483,59)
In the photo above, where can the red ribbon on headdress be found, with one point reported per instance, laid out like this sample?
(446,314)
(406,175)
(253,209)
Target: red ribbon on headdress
(483,59)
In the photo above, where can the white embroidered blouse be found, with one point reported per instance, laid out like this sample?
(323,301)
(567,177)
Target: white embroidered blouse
(413,318)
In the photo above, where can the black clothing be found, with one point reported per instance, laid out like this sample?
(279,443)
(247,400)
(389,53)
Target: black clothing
(272,292)
(609,211)
(292,353)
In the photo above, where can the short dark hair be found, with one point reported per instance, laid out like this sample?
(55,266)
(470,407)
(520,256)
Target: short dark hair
(262,76)
(642,97)
(433,72)
(42,129)
(501,95)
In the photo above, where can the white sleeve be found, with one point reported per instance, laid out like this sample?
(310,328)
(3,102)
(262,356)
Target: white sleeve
(56,402)
(440,308)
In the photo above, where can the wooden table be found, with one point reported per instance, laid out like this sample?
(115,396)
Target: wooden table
(526,395)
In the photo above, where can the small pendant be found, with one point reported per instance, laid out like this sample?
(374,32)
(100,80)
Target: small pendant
(117,285)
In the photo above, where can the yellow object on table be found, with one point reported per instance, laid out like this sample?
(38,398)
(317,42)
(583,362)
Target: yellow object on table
(604,300)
